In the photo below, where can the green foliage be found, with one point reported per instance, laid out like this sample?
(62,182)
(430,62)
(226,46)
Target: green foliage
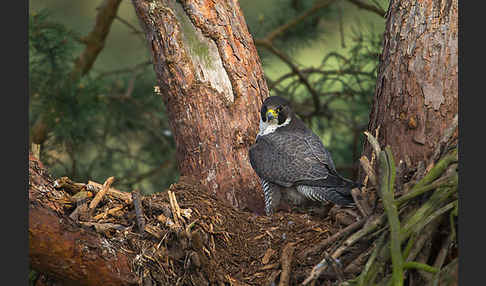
(263,18)
(100,126)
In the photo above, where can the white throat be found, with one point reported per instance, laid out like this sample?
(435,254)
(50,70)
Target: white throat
(267,128)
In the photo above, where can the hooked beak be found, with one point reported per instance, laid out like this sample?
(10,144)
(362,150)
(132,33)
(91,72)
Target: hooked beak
(271,114)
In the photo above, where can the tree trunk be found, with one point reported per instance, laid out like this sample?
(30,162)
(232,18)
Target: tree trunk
(417,88)
(212,84)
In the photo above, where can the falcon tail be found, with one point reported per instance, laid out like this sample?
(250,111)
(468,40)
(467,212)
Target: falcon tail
(340,195)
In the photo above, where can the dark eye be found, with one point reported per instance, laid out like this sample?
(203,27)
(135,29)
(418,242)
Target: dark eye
(279,109)
(263,114)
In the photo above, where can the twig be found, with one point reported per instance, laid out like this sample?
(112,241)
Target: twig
(437,170)
(418,239)
(366,277)
(126,197)
(341,26)
(416,221)
(365,163)
(280,30)
(286,260)
(316,271)
(81,208)
(374,143)
(107,212)
(36,150)
(335,266)
(315,95)
(137,202)
(444,181)
(361,203)
(101,227)
(176,211)
(368,228)
(125,70)
(323,244)
(129,25)
(369,7)
(322,265)
(97,199)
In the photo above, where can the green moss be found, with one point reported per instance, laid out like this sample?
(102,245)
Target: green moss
(197,47)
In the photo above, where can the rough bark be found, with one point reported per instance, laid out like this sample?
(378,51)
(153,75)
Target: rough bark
(59,247)
(212,84)
(417,89)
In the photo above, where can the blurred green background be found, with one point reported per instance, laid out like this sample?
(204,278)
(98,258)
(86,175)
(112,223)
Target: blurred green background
(111,123)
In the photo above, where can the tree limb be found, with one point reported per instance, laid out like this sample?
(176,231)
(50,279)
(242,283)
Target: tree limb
(95,40)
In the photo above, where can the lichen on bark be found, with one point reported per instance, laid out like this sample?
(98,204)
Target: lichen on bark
(204,55)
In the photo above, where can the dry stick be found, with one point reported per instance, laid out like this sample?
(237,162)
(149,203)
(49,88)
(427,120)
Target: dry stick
(108,212)
(335,267)
(99,196)
(286,261)
(356,265)
(137,203)
(82,207)
(366,277)
(439,261)
(316,271)
(100,227)
(323,244)
(365,163)
(114,192)
(322,265)
(415,245)
(360,202)
(176,213)
(371,226)
(373,142)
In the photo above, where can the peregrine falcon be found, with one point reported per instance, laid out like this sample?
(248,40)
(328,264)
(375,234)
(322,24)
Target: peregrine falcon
(292,162)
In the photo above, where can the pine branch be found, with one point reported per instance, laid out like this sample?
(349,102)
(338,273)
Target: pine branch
(292,23)
(315,94)
(369,7)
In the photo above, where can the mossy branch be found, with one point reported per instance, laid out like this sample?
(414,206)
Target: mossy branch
(437,170)
(437,205)
(387,180)
(420,266)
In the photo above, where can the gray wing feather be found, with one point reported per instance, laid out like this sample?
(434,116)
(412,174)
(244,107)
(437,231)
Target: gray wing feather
(287,158)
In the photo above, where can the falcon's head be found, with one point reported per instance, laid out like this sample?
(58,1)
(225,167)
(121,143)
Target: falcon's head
(275,113)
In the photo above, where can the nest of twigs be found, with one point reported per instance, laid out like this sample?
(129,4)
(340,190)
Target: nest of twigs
(402,229)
